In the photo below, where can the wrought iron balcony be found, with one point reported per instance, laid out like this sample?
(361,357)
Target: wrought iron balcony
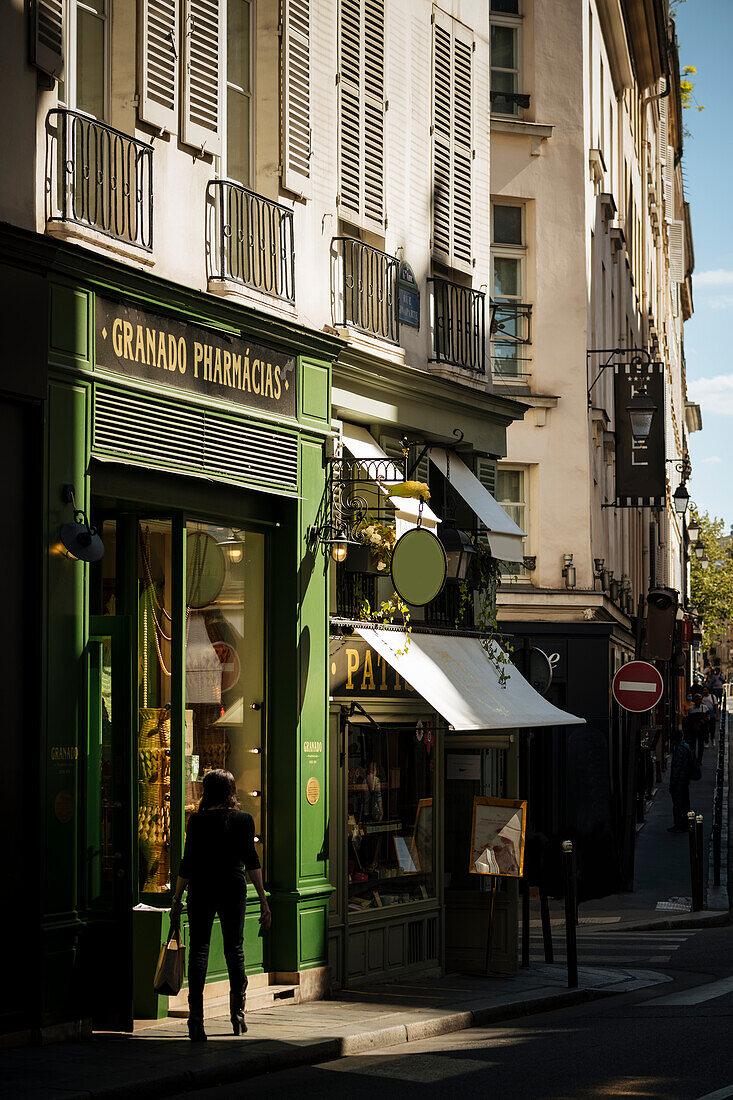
(353,590)
(511,324)
(366,289)
(250,240)
(458,325)
(508,103)
(98,177)
(513,374)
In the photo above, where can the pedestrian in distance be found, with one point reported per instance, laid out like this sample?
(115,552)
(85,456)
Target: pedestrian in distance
(716,684)
(697,727)
(219,849)
(684,767)
(710,704)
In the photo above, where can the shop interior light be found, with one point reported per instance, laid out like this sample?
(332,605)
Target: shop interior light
(641,410)
(255,794)
(681,499)
(459,551)
(79,540)
(568,571)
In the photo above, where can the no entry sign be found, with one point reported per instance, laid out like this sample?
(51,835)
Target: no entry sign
(637,686)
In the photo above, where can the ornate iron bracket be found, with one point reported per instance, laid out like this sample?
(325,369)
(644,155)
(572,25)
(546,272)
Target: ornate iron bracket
(353,490)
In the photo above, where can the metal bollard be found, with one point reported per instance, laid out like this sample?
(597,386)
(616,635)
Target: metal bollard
(571,912)
(693,860)
(525,922)
(546,927)
(700,864)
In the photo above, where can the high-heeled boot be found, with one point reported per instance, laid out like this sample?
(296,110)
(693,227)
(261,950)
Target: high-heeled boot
(236,1011)
(196,1031)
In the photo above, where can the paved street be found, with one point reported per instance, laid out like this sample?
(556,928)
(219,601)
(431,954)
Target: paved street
(672,1042)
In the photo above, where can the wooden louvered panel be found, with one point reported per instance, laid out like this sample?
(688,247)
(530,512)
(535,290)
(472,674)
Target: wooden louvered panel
(296,97)
(159,68)
(676,237)
(452,141)
(361,111)
(202,108)
(47,39)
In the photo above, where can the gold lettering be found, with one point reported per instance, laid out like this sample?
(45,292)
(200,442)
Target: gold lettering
(207,362)
(237,371)
(198,353)
(368,672)
(181,355)
(162,357)
(256,375)
(278,386)
(227,368)
(268,381)
(352,665)
(127,328)
(152,358)
(139,345)
(381,662)
(172,353)
(397,683)
(117,337)
(217,367)
(246,382)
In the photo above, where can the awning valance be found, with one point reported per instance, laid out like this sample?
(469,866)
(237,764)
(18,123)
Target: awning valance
(365,448)
(454,674)
(505,537)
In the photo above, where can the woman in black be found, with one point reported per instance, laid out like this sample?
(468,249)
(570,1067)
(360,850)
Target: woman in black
(219,848)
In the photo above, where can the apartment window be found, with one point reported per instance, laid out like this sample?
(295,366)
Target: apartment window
(511,7)
(238,123)
(505,71)
(508,292)
(84,87)
(511,493)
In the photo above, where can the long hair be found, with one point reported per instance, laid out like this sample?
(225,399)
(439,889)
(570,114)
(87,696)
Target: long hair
(219,790)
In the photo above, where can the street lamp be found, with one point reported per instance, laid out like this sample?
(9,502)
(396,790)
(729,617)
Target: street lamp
(458,551)
(641,410)
(698,550)
(680,499)
(693,529)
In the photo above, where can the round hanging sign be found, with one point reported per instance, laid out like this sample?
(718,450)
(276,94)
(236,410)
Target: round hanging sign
(206,569)
(419,566)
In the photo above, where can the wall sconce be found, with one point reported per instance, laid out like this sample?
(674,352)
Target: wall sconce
(79,540)
(680,499)
(698,550)
(615,590)
(693,529)
(568,571)
(598,564)
(459,550)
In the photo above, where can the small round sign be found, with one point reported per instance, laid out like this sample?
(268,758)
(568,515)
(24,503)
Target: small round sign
(637,686)
(419,566)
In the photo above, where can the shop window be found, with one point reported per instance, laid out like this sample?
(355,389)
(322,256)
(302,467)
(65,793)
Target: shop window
(390,820)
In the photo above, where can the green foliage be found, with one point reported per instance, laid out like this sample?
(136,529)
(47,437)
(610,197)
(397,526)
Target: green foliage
(711,589)
(386,613)
(380,538)
(687,89)
(484,578)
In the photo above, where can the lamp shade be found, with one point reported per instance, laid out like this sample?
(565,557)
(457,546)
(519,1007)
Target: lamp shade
(81,542)
(699,550)
(680,499)
(458,551)
(641,410)
(693,529)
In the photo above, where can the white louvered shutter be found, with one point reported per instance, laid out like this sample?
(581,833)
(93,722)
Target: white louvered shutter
(159,64)
(676,236)
(452,141)
(662,133)
(47,36)
(486,471)
(361,112)
(296,105)
(201,109)
(669,184)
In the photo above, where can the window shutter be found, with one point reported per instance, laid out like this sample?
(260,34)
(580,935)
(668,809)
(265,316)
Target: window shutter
(47,36)
(202,75)
(296,106)
(159,64)
(676,236)
(361,112)
(669,183)
(662,133)
(452,141)
(486,471)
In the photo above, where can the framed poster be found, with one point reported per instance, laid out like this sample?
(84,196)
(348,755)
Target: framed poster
(497,837)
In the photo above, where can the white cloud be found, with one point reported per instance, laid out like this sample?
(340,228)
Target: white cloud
(714,394)
(713,458)
(718,277)
(723,301)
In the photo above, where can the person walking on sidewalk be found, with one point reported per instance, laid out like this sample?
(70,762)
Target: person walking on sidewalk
(696,724)
(219,848)
(709,702)
(684,767)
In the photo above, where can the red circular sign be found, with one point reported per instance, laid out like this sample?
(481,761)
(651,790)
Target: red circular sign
(230,665)
(637,686)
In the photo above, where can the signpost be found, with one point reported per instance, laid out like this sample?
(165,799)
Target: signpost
(637,686)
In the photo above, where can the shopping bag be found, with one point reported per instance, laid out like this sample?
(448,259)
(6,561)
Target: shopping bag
(169,971)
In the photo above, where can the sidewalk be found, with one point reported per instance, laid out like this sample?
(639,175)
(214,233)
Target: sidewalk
(158,1060)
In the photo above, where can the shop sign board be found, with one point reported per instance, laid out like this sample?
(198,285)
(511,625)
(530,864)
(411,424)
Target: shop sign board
(408,296)
(640,466)
(189,357)
(637,686)
(359,671)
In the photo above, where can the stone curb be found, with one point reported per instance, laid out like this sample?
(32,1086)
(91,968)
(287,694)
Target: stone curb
(710,918)
(718,898)
(255,1065)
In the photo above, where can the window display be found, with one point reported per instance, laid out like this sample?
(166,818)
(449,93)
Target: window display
(390,824)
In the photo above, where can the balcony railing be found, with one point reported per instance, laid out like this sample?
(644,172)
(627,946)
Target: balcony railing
(98,177)
(353,590)
(250,240)
(509,103)
(458,326)
(511,323)
(514,375)
(366,289)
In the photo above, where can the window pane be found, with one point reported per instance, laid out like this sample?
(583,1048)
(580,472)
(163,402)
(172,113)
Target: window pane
(390,824)
(510,486)
(503,48)
(510,6)
(507,277)
(238,136)
(238,50)
(90,63)
(508,224)
(224,663)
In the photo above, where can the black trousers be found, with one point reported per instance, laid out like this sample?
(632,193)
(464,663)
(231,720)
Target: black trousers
(680,802)
(205,901)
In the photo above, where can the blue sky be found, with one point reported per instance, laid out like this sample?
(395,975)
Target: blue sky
(705,35)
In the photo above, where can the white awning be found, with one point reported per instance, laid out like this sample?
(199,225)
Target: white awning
(505,537)
(365,449)
(457,678)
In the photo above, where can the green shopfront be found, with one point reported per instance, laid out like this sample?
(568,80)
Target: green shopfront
(191,432)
